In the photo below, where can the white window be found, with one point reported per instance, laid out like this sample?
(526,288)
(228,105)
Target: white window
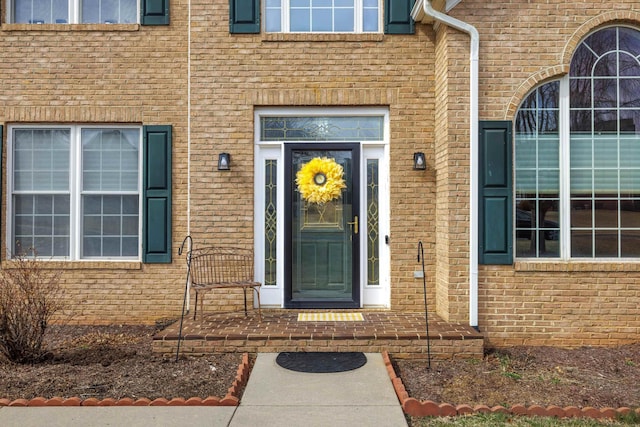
(75,191)
(323,16)
(74,11)
(577,178)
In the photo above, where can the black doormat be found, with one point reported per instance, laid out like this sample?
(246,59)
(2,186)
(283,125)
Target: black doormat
(321,362)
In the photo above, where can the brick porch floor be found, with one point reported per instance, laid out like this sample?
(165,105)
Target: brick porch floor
(401,334)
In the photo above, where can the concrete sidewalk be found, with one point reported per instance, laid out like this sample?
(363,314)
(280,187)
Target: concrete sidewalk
(274,396)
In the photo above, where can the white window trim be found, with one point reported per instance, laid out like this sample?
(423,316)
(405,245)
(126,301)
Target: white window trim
(358,24)
(75,190)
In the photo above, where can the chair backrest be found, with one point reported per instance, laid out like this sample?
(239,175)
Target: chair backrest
(220,265)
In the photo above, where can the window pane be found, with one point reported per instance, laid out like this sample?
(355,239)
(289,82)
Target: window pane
(548,182)
(273,21)
(300,20)
(109,11)
(606,213)
(525,152)
(373,233)
(630,94)
(581,182)
(41,11)
(605,152)
(537,228)
(606,65)
(605,122)
(605,93)
(41,159)
(605,182)
(630,243)
(270,222)
(629,182)
(108,230)
(370,20)
(581,154)
(581,122)
(344,20)
(581,243)
(582,62)
(606,243)
(322,20)
(549,151)
(110,159)
(580,93)
(628,65)
(41,222)
(326,128)
(629,41)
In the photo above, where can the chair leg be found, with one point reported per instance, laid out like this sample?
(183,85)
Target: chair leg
(257,288)
(244,291)
(195,307)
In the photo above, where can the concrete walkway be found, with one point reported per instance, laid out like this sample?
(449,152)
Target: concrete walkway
(274,396)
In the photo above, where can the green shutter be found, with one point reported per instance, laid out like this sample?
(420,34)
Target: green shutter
(154,12)
(156,228)
(244,16)
(495,219)
(397,17)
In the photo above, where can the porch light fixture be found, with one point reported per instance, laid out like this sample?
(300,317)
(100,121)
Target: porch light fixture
(419,162)
(224,162)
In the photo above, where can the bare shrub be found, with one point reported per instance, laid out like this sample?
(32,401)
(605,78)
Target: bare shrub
(30,295)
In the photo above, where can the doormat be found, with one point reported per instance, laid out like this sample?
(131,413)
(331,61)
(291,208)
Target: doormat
(321,362)
(330,317)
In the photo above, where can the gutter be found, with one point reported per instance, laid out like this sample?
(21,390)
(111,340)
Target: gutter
(425,13)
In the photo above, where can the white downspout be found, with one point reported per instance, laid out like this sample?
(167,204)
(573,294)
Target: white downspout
(473,179)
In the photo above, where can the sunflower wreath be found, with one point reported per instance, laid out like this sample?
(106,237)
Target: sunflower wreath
(320,180)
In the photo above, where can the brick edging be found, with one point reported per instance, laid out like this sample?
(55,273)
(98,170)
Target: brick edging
(230,399)
(428,408)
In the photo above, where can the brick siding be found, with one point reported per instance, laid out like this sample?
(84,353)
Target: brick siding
(137,74)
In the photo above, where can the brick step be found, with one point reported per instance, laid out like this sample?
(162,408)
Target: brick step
(401,334)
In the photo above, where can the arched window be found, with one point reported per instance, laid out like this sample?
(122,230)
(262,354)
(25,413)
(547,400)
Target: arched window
(577,155)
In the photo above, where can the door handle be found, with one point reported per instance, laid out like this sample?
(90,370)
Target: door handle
(354,224)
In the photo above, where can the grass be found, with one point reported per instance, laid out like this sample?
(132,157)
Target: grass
(485,420)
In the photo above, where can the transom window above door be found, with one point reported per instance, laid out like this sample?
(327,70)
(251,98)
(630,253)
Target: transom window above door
(74,12)
(323,16)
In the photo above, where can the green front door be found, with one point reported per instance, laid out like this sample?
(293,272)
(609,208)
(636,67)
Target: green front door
(322,226)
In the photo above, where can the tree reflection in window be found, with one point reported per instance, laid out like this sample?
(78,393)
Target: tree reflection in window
(603,166)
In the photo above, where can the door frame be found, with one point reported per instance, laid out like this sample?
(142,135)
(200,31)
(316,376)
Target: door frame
(289,179)
(271,152)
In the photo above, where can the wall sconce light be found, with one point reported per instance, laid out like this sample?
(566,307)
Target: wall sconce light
(224,162)
(419,162)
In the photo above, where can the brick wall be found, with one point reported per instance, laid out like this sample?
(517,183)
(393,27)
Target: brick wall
(135,74)
(104,74)
(538,303)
